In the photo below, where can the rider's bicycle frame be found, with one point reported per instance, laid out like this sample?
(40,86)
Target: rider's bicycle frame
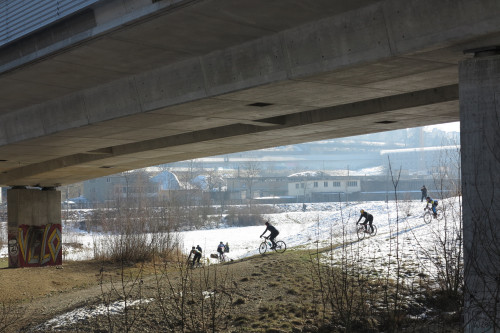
(429,214)
(280,245)
(362,231)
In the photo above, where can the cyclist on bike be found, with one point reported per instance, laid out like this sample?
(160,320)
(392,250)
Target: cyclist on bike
(368,219)
(274,233)
(434,204)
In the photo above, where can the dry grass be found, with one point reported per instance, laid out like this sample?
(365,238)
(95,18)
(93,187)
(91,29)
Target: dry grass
(270,293)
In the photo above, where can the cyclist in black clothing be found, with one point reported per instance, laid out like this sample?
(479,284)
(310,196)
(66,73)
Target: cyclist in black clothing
(272,236)
(368,219)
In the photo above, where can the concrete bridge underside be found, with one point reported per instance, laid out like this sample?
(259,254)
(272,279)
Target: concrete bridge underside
(128,84)
(125,84)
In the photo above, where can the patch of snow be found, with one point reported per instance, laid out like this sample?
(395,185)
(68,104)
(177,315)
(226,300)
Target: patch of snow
(86,313)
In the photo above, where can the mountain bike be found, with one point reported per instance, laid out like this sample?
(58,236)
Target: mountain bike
(429,215)
(360,229)
(266,244)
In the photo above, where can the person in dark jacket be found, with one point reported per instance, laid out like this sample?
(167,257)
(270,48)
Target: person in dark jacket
(424,193)
(274,232)
(221,250)
(368,219)
(196,255)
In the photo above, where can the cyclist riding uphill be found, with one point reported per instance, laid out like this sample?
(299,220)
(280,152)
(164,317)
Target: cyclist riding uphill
(274,232)
(434,205)
(368,219)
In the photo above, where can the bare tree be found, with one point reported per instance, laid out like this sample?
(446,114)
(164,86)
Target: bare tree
(215,184)
(250,171)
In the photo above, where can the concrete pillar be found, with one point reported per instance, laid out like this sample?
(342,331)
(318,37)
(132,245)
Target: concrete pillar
(479,82)
(34,227)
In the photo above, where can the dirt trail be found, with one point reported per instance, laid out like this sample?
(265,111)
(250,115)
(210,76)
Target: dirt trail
(38,294)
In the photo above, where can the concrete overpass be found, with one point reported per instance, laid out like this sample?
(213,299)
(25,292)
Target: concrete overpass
(114,85)
(121,85)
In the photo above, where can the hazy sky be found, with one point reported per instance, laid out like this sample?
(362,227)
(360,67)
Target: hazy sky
(450,127)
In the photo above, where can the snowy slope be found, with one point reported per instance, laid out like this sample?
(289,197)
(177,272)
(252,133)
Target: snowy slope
(322,225)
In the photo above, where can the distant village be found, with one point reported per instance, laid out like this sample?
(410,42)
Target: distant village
(361,168)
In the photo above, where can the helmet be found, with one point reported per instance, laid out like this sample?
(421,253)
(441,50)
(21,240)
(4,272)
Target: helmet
(267,223)
(428,198)
(362,211)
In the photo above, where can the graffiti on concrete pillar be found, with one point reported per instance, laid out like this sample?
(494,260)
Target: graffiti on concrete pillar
(39,245)
(13,251)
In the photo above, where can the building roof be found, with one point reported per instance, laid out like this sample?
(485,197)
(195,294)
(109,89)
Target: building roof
(167,181)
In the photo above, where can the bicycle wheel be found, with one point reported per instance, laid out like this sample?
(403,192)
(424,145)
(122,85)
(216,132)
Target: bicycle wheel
(361,233)
(374,230)
(440,214)
(280,247)
(263,248)
(427,217)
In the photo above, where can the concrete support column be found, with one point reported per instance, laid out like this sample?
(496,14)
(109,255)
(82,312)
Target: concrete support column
(34,227)
(479,82)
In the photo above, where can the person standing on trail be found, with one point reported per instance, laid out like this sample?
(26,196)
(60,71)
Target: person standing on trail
(368,219)
(220,250)
(274,233)
(424,193)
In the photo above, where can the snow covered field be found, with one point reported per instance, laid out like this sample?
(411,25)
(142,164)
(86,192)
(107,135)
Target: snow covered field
(419,245)
(321,225)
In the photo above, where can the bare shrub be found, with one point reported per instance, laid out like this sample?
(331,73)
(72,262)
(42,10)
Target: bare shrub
(131,235)
(125,292)
(71,244)
(346,292)
(8,317)
(199,300)
(358,293)
(393,297)
(446,258)
(447,270)
(406,205)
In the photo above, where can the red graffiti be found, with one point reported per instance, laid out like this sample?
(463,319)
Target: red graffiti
(36,246)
